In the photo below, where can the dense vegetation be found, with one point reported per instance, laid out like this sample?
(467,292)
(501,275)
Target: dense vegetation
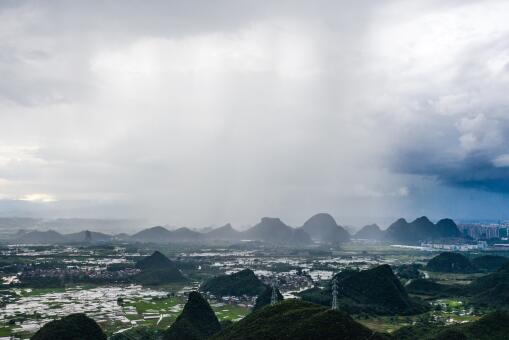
(322,227)
(433,289)
(422,229)
(241,283)
(491,290)
(493,326)
(295,319)
(71,327)
(264,298)
(451,263)
(409,271)
(376,291)
(490,263)
(197,321)
(155,261)
(157,269)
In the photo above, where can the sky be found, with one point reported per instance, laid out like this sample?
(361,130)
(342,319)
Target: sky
(199,113)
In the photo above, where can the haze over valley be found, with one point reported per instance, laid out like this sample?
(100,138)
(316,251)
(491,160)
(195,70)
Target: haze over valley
(222,170)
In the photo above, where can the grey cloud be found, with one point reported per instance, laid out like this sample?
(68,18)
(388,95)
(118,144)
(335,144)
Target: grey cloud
(203,112)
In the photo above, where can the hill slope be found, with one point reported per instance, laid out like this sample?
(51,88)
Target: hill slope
(92,237)
(295,319)
(46,237)
(157,269)
(422,229)
(241,283)
(448,262)
(155,261)
(71,327)
(490,263)
(265,297)
(370,232)
(273,230)
(224,233)
(155,234)
(375,290)
(493,326)
(323,228)
(197,321)
(447,228)
(491,290)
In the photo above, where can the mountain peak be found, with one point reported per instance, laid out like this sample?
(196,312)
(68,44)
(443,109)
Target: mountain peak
(422,219)
(322,218)
(155,261)
(240,283)
(370,232)
(322,227)
(272,229)
(74,326)
(197,320)
(157,228)
(271,220)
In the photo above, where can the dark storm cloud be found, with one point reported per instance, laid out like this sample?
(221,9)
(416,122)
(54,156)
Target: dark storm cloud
(475,171)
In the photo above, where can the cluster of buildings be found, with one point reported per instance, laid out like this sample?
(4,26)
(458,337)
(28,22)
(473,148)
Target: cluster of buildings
(480,231)
(78,273)
(479,245)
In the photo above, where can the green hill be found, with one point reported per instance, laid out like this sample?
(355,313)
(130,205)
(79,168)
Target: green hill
(322,227)
(432,288)
(491,290)
(197,321)
(447,228)
(493,326)
(422,229)
(403,232)
(157,269)
(273,230)
(451,263)
(490,263)
(71,327)
(296,320)
(375,290)
(409,271)
(244,282)
(370,232)
(155,261)
(264,298)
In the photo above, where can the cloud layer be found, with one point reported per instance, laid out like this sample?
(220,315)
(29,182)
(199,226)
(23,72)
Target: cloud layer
(199,112)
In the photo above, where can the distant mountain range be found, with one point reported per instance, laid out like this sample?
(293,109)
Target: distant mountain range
(403,232)
(52,236)
(320,228)
(422,229)
(67,225)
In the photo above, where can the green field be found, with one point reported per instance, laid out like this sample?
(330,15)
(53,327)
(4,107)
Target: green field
(170,308)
